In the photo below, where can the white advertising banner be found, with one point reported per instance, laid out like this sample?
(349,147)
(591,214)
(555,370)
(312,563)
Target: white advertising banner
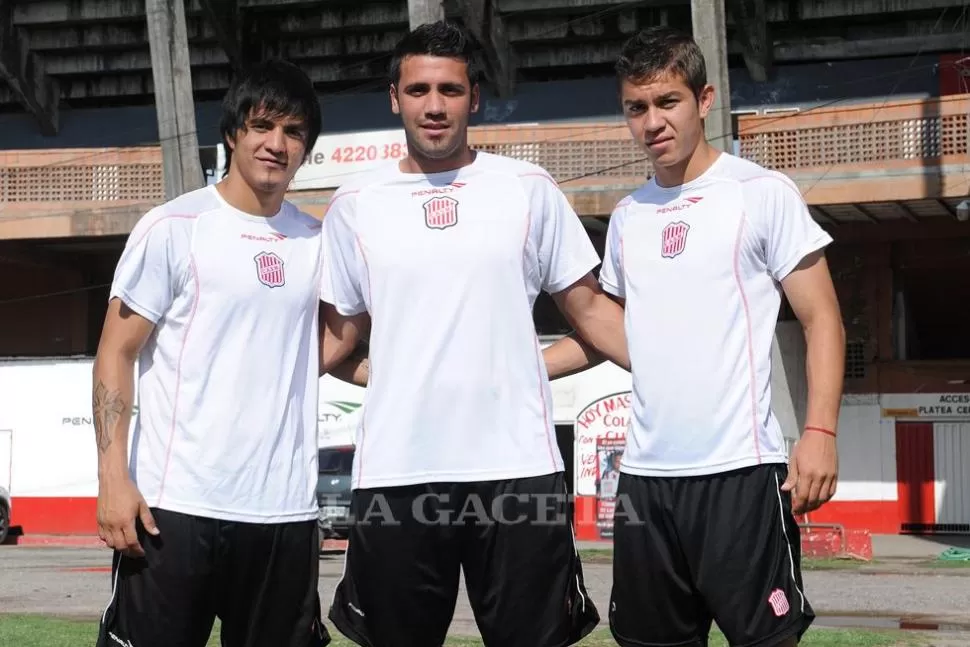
(337,158)
(601,429)
(47,409)
(939,406)
(341,406)
(600,438)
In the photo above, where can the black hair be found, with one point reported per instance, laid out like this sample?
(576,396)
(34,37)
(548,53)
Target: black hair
(276,87)
(440,38)
(660,50)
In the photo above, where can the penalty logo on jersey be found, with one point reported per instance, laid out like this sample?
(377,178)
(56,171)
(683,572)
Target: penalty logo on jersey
(440,212)
(269,269)
(674,239)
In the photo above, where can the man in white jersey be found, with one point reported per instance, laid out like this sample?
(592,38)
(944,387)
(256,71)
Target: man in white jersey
(216,298)
(701,255)
(456,466)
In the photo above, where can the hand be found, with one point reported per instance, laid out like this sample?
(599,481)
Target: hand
(813,472)
(119,503)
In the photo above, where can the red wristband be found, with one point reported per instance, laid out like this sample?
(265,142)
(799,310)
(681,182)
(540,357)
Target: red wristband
(821,430)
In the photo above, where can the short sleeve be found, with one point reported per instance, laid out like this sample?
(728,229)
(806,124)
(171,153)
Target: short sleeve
(340,283)
(148,271)
(565,252)
(611,274)
(785,226)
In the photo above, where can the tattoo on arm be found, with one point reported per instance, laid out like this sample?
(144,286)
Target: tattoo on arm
(108,407)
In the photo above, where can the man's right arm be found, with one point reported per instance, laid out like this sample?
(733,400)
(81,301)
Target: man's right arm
(146,279)
(343,352)
(119,501)
(573,354)
(355,369)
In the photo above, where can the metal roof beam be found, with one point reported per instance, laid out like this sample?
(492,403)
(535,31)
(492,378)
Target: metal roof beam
(907,212)
(76,12)
(223,17)
(522,6)
(865,213)
(752,31)
(816,10)
(25,75)
(131,61)
(482,18)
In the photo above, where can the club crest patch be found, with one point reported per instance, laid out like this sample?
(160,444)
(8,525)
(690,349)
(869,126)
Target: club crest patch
(269,269)
(674,239)
(440,212)
(778,602)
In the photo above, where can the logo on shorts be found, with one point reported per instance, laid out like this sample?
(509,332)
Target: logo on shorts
(674,239)
(778,602)
(269,269)
(124,643)
(441,212)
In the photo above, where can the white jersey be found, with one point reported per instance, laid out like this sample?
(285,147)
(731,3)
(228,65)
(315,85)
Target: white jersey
(228,382)
(699,266)
(449,266)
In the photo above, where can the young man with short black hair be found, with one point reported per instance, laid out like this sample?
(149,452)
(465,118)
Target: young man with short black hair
(215,297)
(441,256)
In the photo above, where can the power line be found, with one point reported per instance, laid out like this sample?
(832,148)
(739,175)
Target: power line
(59,293)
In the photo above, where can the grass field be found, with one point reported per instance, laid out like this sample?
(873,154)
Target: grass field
(41,631)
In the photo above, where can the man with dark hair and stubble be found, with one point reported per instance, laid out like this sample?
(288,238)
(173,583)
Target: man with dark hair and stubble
(700,256)
(215,297)
(440,256)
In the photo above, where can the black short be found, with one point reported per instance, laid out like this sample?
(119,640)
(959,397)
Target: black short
(690,550)
(260,580)
(511,539)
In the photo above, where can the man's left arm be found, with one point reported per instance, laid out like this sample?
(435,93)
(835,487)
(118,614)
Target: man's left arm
(794,247)
(597,320)
(810,293)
